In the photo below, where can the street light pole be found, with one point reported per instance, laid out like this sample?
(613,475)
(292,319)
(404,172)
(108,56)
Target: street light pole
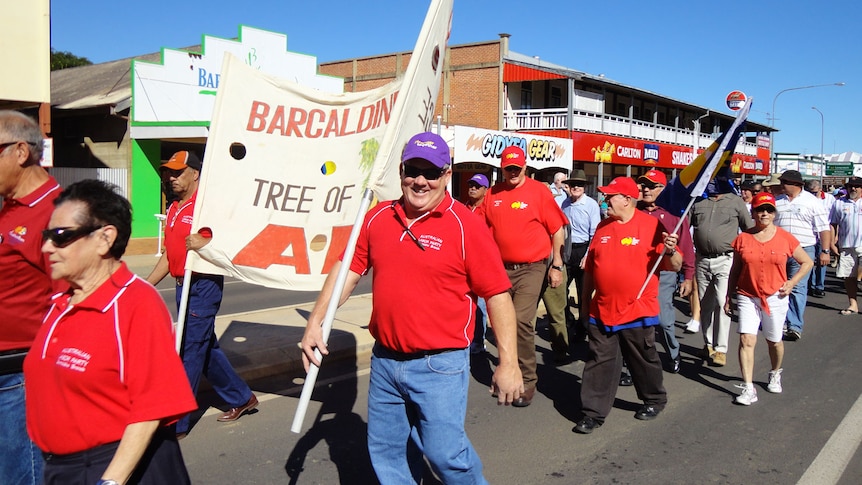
(772,133)
(822,155)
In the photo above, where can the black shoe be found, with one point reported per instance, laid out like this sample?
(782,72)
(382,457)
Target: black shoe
(647,413)
(626,379)
(586,425)
(674,367)
(819,293)
(792,335)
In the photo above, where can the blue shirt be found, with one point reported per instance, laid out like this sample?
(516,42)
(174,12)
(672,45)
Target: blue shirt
(584,216)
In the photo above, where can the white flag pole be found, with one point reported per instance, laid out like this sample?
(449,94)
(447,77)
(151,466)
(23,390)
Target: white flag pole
(181,312)
(335,298)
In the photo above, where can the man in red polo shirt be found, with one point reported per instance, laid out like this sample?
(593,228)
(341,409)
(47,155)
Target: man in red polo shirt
(622,253)
(25,288)
(201,352)
(431,258)
(529,228)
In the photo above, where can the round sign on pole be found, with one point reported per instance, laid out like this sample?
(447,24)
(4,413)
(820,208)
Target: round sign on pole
(736,100)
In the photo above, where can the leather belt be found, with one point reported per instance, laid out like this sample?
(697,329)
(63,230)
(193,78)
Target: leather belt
(716,255)
(514,266)
(402,356)
(12,361)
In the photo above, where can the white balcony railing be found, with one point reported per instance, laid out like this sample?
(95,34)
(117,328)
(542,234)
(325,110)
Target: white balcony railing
(555,119)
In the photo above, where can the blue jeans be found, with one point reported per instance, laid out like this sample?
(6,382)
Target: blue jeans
(201,352)
(666,289)
(418,406)
(817,280)
(478,343)
(20,460)
(799,295)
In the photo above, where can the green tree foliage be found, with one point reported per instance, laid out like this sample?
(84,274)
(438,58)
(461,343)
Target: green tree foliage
(65,59)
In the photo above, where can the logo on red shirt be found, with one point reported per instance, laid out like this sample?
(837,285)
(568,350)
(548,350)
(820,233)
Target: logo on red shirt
(519,205)
(630,241)
(18,233)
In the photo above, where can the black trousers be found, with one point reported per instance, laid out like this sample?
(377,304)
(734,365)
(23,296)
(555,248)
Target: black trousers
(602,368)
(161,464)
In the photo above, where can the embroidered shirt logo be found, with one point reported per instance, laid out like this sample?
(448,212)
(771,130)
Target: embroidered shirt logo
(73,359)
(519,205)
(630,241)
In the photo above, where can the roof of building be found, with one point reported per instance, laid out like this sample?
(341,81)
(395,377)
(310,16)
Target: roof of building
(106,84)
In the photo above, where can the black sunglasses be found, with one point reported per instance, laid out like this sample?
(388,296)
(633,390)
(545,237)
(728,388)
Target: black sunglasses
(513,168)
(63,236)
(429,173)
(473,185)
(6,145)
(767,208)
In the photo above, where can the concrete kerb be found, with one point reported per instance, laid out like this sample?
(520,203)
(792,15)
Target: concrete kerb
(265,343)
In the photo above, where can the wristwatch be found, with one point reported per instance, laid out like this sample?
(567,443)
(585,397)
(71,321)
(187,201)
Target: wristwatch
(558,268)
(825,251)
(107,482)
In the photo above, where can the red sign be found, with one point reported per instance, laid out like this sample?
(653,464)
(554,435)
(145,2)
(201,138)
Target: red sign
(736,100)
(590,147)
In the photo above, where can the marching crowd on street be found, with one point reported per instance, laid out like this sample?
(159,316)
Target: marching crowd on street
(107,396)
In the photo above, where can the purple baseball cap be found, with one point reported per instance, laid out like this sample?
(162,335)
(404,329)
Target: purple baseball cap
(480,179)
(427,146)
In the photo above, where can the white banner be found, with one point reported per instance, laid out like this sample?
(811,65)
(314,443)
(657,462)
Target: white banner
(285,166)
(485,146)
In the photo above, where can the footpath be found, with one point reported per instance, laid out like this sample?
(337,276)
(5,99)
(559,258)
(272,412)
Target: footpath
(264,343)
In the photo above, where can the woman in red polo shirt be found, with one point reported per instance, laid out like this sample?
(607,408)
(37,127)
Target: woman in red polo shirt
(103,380)
(759,278)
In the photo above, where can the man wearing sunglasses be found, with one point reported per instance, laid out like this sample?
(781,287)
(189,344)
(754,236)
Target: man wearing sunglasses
(201,352)
(431,259)
(802,215)
(652,184)
(528,226)
(25,288)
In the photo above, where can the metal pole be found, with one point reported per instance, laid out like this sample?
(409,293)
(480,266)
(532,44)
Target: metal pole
(772,133)
(822,155)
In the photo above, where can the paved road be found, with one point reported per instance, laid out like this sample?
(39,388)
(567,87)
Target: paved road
(700,438)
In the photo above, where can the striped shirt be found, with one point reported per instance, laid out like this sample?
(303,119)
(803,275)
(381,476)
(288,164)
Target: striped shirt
(804,216)
(846,214)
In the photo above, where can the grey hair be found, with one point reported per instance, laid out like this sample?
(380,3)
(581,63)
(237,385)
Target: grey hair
(19,127)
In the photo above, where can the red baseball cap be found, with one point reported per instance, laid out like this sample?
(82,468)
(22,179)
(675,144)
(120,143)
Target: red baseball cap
(655,177)
(761,199)
(621,185)
(512,156)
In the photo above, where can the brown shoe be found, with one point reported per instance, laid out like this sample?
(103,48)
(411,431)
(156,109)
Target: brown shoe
(719,359)
(707,352)
(525,399)
(234,413)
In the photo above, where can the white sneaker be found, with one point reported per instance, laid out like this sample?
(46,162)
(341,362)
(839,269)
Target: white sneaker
(693,326)
(748,396)
(774,385)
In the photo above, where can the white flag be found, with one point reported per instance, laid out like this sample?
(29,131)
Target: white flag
(285,166)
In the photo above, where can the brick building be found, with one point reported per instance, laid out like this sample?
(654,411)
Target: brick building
(616,129)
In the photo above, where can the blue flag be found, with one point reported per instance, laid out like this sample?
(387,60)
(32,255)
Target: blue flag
(693,179)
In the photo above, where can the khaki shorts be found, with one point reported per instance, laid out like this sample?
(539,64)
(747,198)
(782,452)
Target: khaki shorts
(848,262)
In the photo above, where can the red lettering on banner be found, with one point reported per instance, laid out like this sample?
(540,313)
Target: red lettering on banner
(343,131)
(340,235)
(268,247)
(317,123)
(298,117)
(277,122)
(257,119)
(315,113)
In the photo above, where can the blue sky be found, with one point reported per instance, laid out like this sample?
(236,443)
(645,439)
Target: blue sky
(688,50)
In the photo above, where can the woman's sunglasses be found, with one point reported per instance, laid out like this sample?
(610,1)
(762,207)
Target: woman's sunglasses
(63,236)
(767,208)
